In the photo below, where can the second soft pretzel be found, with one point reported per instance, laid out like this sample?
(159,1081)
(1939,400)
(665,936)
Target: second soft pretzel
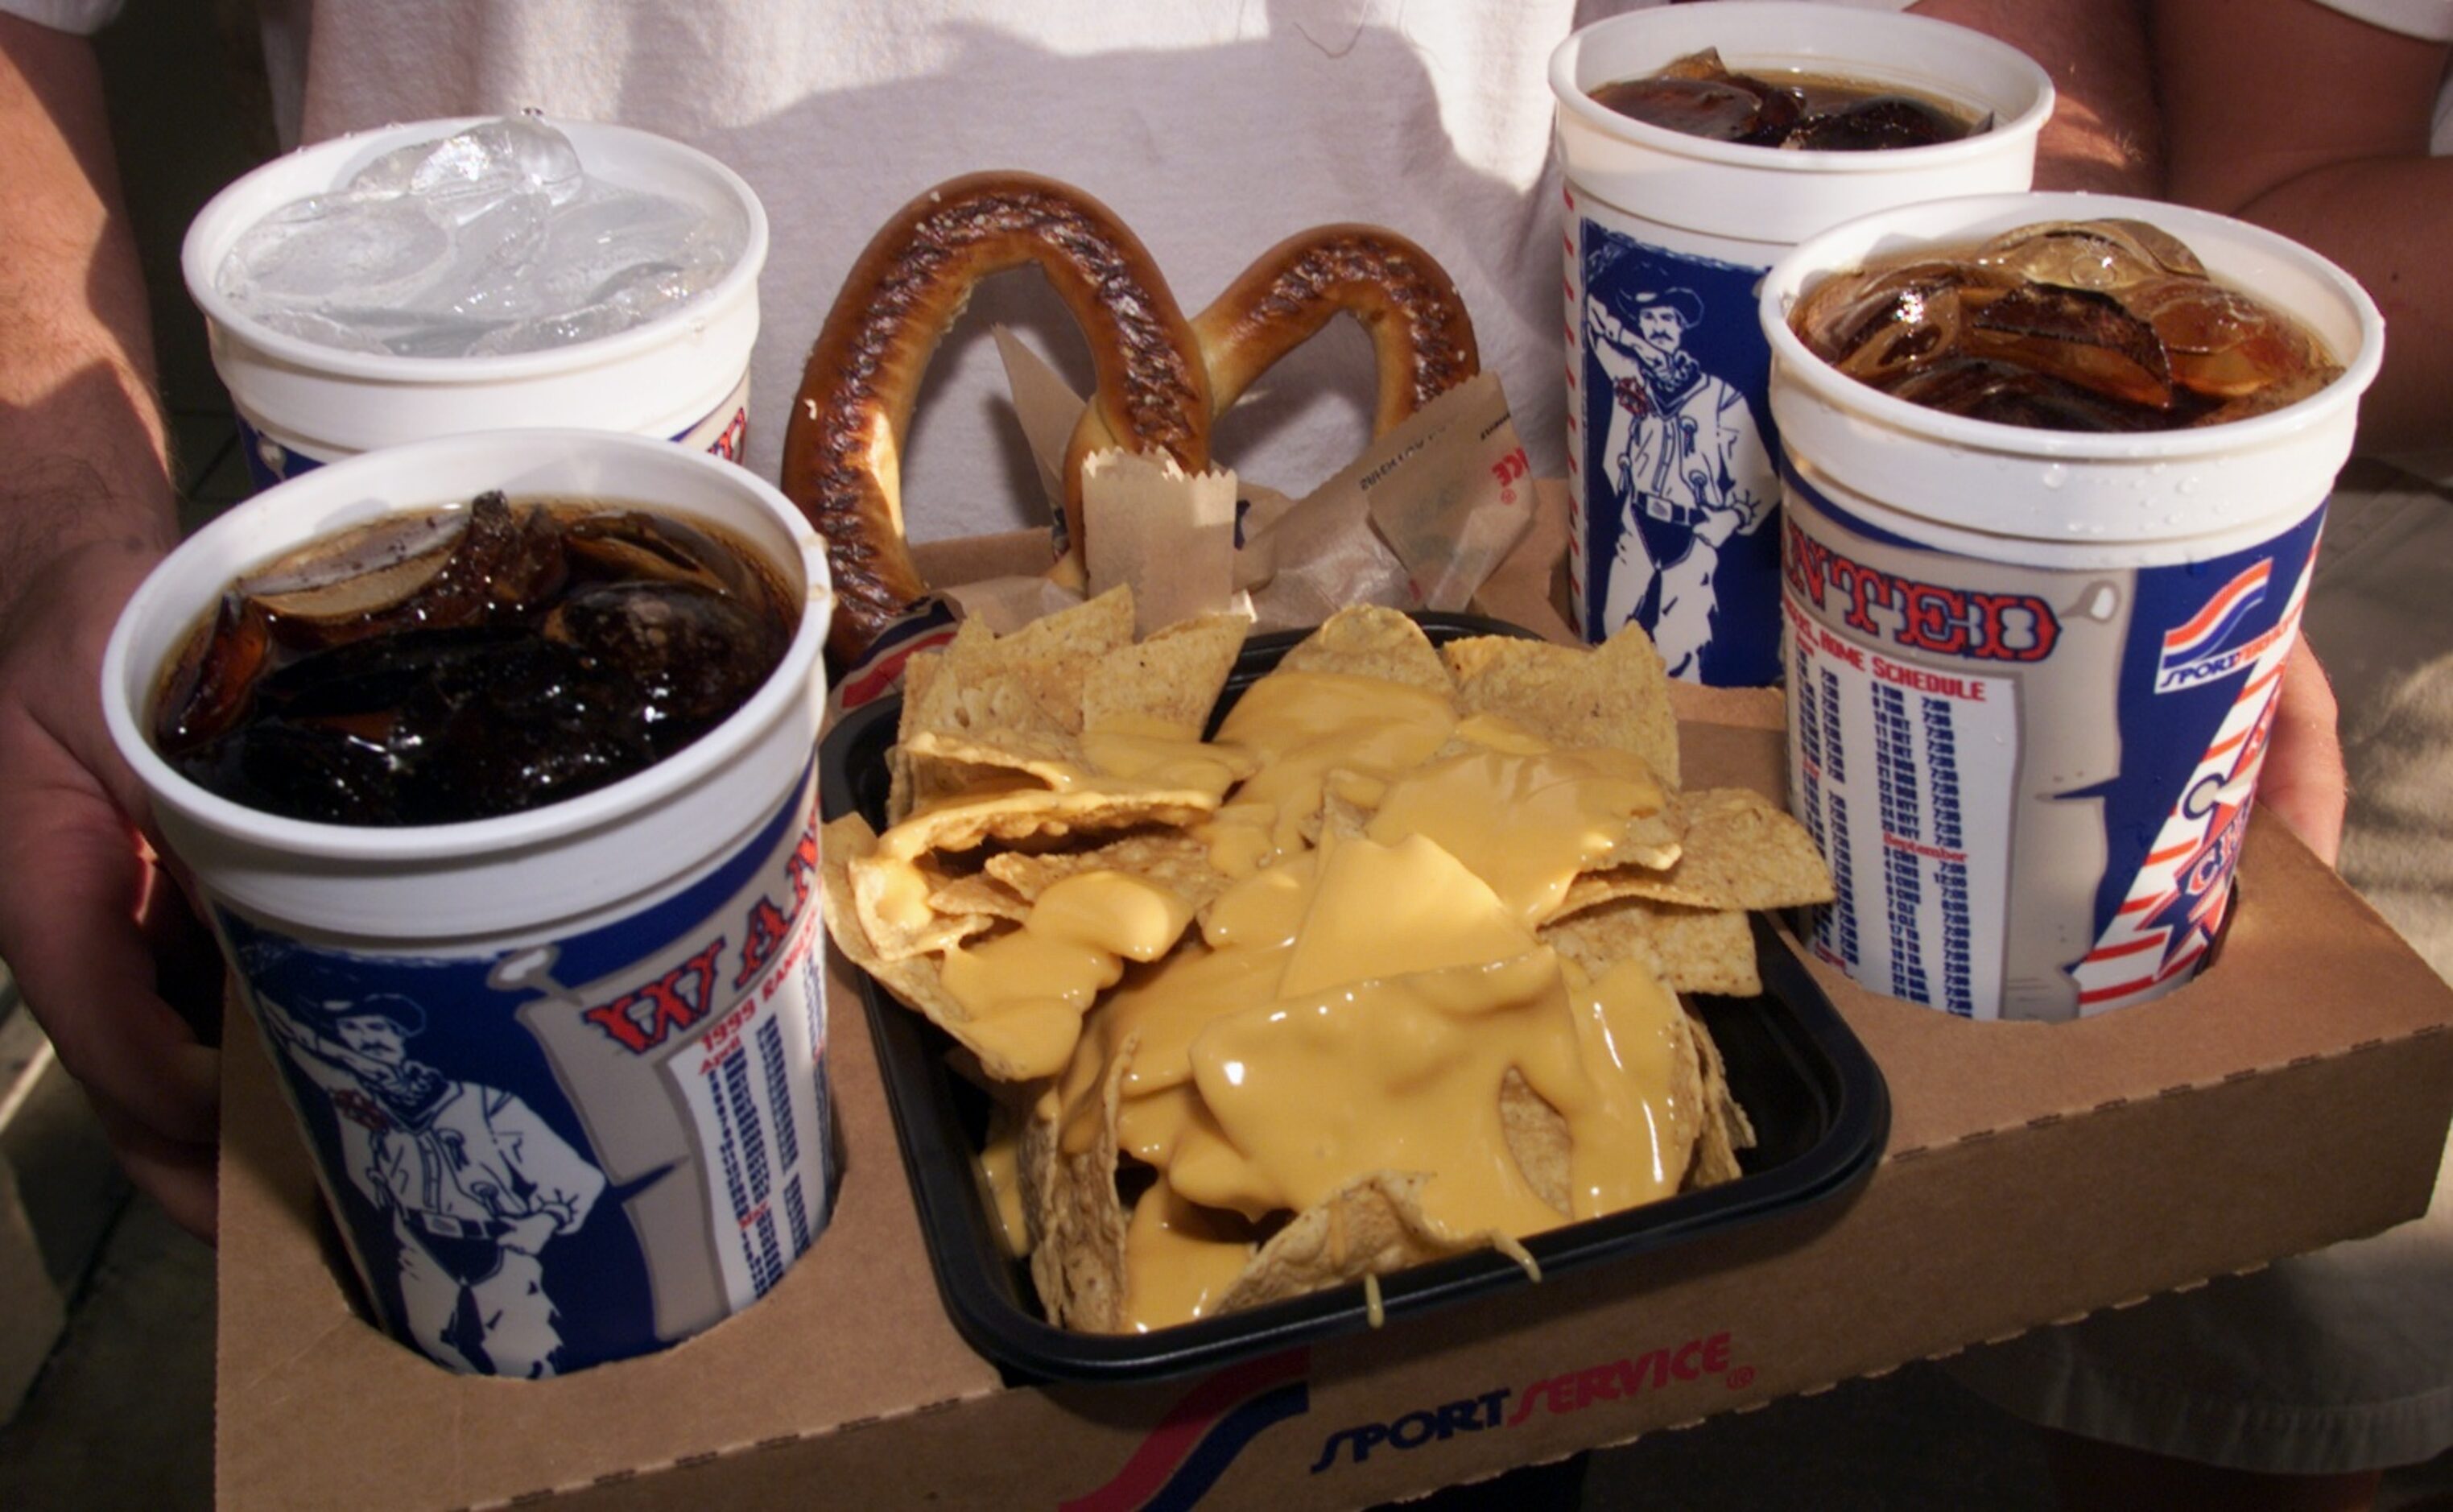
(1404,299)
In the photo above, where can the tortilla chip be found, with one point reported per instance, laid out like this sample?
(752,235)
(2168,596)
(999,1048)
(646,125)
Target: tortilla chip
(933,699)
(1538,1141)
(990,815)
(1727,1128)
(1365,639)
(1000,1167)
(1172,858)
(1738,851)
(1173,677)
(913,980)
(955,737)
(1765,856)
(1370,1226)
(980,895)
(1348,801)
(1076,1219)
(1027,684)
(1690,949)
(1649,845)
(967,823)
(979,758)
(919,674)
(1617,696)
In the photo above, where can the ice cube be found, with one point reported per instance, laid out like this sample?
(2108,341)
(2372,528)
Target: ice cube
(2224,344)
(335,245)
(2107,254)
(489,241)
(2076,335)
(468,172)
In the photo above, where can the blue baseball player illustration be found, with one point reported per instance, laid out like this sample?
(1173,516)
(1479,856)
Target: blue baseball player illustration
(474,1181)
(1683,462)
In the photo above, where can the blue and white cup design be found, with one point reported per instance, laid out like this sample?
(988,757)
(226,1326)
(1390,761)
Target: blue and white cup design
(1671,452)
(721,432)
(2101,727)
(578,1149)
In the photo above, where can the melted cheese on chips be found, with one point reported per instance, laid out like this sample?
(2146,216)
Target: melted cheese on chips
(1425,1009)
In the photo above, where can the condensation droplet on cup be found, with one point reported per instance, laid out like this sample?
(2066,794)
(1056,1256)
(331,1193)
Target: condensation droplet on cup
(2055,475)
(2188,485)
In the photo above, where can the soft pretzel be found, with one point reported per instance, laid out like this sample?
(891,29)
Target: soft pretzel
(1162,380)
(843,450)
(1418,325)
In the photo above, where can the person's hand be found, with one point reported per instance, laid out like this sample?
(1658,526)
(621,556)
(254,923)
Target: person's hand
(2302,783)
(94,930)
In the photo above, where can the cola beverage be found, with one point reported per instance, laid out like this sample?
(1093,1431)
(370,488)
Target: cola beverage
(1699,96)
(2097,325)
(461,664)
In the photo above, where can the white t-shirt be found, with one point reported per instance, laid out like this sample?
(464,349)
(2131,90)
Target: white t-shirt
(1213,129)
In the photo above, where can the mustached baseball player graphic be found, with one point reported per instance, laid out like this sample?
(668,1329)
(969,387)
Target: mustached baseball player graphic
(474,1181)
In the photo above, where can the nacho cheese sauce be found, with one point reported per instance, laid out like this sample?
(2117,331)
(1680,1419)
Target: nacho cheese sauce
(1366,995)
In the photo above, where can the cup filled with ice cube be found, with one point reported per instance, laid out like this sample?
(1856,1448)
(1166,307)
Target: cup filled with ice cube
(1699,143)
(491,760)
(2056,470)
(471,274)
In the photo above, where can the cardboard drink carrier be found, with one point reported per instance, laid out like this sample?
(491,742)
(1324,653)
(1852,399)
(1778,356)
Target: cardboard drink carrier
(2296,1094)
(1931,1183)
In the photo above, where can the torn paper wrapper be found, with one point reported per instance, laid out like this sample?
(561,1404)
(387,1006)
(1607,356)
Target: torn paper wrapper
(1417,522)
(1169,536)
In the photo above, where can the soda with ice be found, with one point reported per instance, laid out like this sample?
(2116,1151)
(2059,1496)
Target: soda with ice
(489,242)
(2097,325)
(1700,95)
(441,668)
(2054,485)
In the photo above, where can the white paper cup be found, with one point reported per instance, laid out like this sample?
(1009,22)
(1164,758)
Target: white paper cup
(1672,463)
(2031,674)
(683,376)
(562,1071)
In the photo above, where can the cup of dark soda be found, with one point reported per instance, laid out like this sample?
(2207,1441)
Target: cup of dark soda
(1697,144)
(490,758)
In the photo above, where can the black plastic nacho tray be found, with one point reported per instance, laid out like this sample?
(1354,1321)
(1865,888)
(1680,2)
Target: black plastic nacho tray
(1818,1105)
